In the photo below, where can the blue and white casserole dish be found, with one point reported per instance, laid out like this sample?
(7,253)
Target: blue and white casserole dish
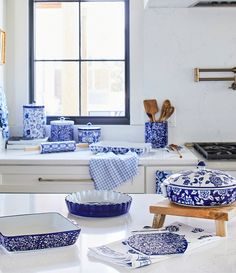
(200,188)
(37,231)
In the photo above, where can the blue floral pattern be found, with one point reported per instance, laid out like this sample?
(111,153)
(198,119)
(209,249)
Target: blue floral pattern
(116,150)
(161,243)
(34,121)
(89,134)
(156,133)
(62,132)
(160,178)
(58,147)
(4,115)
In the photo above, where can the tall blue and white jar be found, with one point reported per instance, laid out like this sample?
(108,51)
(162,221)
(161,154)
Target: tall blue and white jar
(62,130)
(34,121)
(156,133)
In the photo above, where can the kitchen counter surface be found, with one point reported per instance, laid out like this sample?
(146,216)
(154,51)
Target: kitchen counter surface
(82,157)
(216,257)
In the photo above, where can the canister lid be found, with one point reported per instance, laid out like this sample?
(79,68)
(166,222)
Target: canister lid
(33,105)
(62,121)
(89,126)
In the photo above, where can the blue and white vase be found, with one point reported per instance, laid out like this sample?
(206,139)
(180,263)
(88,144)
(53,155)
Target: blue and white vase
(4,115)
(156,133)
(89,134)
(34,121)
(62,130)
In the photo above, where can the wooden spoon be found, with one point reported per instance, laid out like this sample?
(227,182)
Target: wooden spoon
(165,106)
(169,112)
(151,108)
(175,147)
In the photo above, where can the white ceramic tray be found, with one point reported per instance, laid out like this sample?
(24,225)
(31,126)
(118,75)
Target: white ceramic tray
(37,231)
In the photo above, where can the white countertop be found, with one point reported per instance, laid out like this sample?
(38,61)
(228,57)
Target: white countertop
(82,157)
(216,257)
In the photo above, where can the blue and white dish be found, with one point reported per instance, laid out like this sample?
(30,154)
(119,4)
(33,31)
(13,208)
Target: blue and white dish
(200,188)
(34,121)
(156,133)
(37,231)
(95,203)
(62,130)
(158,243)
(89,134)
(120,147)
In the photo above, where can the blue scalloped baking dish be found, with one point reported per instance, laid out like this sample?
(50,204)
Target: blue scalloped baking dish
(95,203)
(37,231)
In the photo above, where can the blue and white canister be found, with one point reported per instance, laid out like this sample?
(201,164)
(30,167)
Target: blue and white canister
(62,130)
(89,134)
(156,133)
(34,121)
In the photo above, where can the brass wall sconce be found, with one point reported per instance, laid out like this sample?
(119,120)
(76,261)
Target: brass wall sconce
(2,47)
(197,77)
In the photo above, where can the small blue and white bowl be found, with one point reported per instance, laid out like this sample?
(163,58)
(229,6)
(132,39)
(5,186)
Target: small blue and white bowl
(89,134)
(95,203)
(200,188)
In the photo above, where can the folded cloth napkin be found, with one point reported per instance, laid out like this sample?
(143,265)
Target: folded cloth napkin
(109,170)
(120,253)
(3,114)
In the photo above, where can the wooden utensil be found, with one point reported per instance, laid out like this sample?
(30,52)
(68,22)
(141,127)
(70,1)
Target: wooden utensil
(175,147)
(169,112)
(166,104)
(151,108)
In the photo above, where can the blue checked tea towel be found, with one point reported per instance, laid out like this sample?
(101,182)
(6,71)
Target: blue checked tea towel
(109,170)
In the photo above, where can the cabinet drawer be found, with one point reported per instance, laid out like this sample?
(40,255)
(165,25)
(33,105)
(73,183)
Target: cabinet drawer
(58,179)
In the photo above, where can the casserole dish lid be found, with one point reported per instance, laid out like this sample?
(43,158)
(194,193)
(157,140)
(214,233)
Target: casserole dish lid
(203,178)
(62,121)
(89,126)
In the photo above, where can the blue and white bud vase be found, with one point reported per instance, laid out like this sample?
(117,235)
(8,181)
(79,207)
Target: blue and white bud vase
(34,121)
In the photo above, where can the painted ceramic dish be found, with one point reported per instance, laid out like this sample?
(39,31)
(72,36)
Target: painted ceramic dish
(37,231)
(200,188)
(120,147)
(94,203)
(159,243)
(89,133)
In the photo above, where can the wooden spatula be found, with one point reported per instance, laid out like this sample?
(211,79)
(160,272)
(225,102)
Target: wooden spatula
(151,108)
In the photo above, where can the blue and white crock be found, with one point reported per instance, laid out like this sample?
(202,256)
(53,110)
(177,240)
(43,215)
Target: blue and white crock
(34,121)
(89,134)
(156,133)
(200,188)
(62,130)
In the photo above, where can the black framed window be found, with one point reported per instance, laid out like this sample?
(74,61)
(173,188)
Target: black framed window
(79,59)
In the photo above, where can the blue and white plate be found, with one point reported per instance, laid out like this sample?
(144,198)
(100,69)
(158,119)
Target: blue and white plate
(95,203)
(158,243)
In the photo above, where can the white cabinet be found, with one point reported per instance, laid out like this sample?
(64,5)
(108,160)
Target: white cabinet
(151,174)
(56,179)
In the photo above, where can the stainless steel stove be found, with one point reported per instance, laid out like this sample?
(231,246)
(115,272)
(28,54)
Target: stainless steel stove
(217,150)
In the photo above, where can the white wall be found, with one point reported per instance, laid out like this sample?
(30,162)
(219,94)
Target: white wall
(176,41)
(166,44)
(2,26)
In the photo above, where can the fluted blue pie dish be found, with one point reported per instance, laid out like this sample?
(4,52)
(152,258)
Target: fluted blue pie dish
(200,188)
(37,231)
(95,203)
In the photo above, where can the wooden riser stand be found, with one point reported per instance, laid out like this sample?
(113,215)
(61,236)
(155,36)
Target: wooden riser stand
(219,214)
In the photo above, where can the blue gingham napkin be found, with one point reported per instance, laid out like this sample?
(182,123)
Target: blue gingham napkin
(109,170)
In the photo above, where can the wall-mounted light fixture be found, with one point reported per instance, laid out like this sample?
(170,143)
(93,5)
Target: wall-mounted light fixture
(197,77)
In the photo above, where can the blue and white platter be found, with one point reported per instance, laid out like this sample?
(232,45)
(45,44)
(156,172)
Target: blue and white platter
(98,203)
(200,188)
(158,243)
(120,147)
(37,231)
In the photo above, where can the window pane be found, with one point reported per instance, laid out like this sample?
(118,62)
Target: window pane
(56,30)
(103,91)
(103,30)
(57,87)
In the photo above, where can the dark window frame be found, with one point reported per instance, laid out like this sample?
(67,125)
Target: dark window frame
(85,119)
